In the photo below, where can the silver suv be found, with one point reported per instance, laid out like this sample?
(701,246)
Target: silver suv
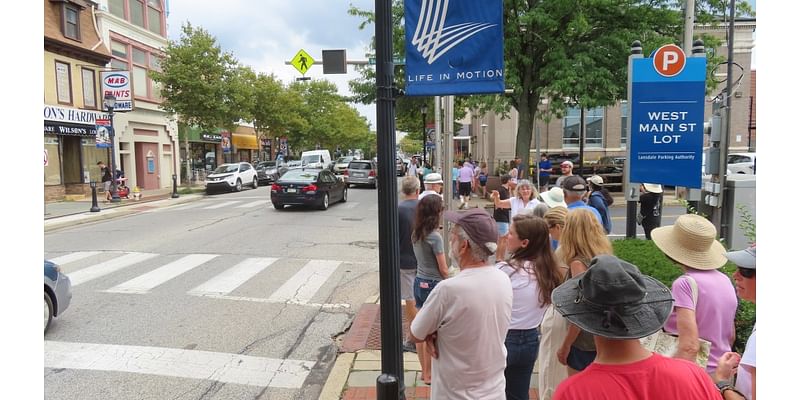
(362,172)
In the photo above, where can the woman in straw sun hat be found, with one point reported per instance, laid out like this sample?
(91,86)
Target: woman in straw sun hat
(705,300)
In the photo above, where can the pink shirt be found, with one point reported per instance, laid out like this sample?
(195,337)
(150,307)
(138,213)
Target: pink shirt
(715,312)
(465,174)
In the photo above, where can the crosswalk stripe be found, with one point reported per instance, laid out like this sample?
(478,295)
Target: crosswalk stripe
(193,364)
(253,204)
(143,283)
(232,278)
(105,268)
(301,287)
(186,206)
(220,205)
(72,257)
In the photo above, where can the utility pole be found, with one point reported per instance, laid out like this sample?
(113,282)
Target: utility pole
(631,188)
(448,161)
(437,117)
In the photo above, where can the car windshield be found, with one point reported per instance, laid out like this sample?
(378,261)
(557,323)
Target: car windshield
(359,165)
(267,164)
(226,168)
(310,159)
(344,160)
(298,175)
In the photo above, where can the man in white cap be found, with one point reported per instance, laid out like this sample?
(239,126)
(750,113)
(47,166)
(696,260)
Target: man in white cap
(566,171)
(433,185)
(619,305)
(465,318)
(650,198)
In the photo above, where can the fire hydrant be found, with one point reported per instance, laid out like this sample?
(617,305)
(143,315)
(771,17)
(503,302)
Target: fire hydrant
(137,193)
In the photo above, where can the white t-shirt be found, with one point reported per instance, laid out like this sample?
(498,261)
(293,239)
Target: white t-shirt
(526,311)
(744,378)
(471,313)
(516,206)
(412,169)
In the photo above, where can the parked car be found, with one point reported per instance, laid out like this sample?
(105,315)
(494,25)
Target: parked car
(362,173)
(742,163)
(232,177)
(308,187)
(267,172)
(341,164)
(57,292)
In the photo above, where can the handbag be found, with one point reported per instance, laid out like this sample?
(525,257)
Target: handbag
(666,344)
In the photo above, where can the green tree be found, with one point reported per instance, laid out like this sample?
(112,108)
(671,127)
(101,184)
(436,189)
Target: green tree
(274,109)
(200,82)
(566,51)
(409,144)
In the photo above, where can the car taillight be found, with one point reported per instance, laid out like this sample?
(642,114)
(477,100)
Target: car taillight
(372,173)
(276,187)
(345,173)
(310,188)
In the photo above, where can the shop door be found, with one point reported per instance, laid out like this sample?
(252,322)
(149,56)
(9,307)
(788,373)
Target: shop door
(147,166)
(71,146)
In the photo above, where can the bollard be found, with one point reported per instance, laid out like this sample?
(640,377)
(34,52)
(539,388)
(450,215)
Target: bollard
(389,388)
(95,207)
(175,186)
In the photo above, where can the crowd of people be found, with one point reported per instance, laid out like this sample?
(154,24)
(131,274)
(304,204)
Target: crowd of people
(537,282)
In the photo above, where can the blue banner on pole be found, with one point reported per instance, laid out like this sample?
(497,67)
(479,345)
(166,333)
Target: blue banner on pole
(454,47)
(667,115)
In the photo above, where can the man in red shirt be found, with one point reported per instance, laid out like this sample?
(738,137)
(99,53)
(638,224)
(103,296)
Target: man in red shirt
(615,302)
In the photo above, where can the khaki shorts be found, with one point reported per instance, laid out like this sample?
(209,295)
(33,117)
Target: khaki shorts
(407,284)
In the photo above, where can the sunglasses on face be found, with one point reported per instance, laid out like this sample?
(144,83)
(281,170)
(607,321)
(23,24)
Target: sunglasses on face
(746,272)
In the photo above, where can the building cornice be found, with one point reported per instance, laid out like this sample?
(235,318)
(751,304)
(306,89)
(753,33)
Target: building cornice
(70,50)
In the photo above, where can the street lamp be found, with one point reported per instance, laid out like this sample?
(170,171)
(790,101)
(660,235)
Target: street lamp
(109,101)
(483,142)
(424,110)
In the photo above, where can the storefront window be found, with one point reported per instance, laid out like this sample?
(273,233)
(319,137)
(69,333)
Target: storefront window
(91,155)
(52,171)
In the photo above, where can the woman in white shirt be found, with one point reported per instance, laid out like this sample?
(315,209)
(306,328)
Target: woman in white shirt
(524,200)
(534,273)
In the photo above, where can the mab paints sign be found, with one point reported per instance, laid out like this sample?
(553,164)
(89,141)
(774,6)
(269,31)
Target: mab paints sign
(454,47)
(118,84)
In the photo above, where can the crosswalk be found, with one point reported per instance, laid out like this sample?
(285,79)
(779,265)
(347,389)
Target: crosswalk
(228,274)
(245,203)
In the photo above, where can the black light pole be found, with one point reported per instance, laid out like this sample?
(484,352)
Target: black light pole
(424,110)
(389,385)
(109,101)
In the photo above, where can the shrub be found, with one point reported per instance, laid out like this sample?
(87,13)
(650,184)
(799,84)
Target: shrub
(651,261)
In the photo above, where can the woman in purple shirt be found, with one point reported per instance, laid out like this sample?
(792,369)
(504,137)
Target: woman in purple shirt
(705,300)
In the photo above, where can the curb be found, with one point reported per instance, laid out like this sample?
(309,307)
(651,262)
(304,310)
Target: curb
(337,378)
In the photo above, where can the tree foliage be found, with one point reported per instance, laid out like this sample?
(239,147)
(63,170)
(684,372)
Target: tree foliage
(570,52)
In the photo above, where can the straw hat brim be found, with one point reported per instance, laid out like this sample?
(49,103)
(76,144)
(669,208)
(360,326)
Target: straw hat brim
(552,202)
(712,258)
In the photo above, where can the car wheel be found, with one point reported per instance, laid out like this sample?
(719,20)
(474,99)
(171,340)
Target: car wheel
(238,185)
(48,311)
(255,183)
(278,206)
(324,205)
(344,195)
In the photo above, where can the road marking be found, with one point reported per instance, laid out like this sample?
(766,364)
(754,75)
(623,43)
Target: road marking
(72,257)
(253,204)
(144,283)
(326,306)
(232,278)
(185,206)
(220,205)
(193,364)
(105,268)
(302,286)
(351,205)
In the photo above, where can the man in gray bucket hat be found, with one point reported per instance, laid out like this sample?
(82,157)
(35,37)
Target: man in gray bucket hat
(619,305)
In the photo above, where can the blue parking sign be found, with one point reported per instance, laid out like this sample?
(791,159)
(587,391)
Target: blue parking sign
(667,115)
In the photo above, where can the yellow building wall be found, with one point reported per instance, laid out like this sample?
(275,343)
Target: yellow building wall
(50,96)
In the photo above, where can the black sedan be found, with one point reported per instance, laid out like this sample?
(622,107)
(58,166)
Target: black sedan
(308,187)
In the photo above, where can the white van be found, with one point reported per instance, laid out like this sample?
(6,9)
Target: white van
(316,159)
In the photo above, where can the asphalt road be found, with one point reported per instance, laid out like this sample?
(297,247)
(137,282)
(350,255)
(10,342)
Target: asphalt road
(220,298)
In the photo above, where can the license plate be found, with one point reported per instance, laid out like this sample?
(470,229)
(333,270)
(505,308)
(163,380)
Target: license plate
(291,190)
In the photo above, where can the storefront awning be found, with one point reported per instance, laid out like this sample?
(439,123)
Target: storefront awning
(198,135)
(244,142)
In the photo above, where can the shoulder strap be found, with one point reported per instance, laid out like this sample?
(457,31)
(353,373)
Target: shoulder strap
(693,285)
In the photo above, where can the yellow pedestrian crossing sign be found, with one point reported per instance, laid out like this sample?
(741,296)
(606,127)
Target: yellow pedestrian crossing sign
(302,61)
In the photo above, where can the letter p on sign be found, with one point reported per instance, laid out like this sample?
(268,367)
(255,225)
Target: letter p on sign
(669,60)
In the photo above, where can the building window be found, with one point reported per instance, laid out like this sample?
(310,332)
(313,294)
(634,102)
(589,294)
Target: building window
(623,109)
(63,83)
(137,12)
(52,171)
(71,22)
(117,7)
(89,88)
(139,61)
(594,128)
(154,16)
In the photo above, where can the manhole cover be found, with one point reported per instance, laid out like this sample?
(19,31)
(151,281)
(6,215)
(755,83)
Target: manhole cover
(352,219)
(365,244)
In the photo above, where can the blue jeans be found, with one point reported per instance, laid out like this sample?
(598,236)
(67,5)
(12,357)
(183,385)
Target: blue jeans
(455,189)
(522,346)
(422,288)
